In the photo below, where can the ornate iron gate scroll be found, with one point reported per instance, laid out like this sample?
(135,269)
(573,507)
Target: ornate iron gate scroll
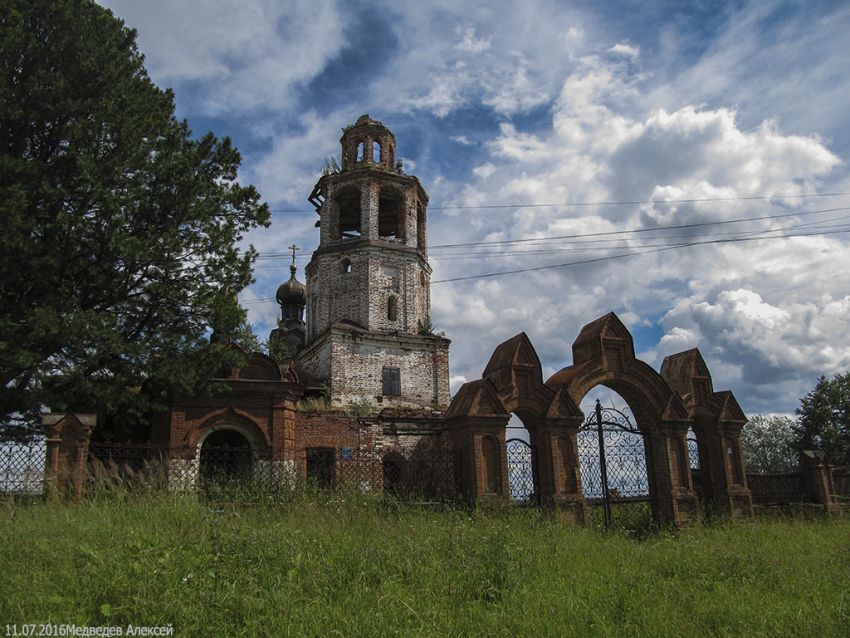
(614,478)
(521,471)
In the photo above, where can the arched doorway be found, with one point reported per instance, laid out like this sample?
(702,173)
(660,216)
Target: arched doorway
(613,463)
(226,456)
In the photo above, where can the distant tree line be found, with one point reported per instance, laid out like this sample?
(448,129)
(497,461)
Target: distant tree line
(773,443)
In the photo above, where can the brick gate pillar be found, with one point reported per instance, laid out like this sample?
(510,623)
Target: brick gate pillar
(476,422)
(555,442)
(722,469)
(735,496)
(67,453)
(674,500)
(816,475)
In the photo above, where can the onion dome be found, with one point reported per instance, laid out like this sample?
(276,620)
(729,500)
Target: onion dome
(292,292)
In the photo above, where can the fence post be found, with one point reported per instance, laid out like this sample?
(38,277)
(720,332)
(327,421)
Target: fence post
(67,453)
(816,476)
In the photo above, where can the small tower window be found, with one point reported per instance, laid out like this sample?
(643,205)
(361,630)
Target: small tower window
(392,308)
(391,382)
(359,151)
(345,266)
(376,152)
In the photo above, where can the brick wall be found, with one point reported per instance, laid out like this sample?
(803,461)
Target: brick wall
(362,295)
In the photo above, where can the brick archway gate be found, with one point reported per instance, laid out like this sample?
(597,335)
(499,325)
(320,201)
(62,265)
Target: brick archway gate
(603,354)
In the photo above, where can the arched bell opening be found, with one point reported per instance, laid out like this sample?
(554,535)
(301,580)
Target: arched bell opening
(348,203)
(614,461)
(391,215)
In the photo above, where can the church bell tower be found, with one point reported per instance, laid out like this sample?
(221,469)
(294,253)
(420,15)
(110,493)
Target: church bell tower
(368,283)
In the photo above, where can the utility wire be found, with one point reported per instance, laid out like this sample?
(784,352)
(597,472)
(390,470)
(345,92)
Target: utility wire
(612,203)
(642,230)
(581,236)
(631,254)
(729,240)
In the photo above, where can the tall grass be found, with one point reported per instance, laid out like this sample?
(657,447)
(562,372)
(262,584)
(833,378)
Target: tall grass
(360,566)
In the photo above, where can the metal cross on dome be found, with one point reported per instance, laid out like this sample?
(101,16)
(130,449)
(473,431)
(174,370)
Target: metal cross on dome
(293,248)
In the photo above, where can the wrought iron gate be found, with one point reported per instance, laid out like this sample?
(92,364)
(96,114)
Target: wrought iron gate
(522,468)
(613,465)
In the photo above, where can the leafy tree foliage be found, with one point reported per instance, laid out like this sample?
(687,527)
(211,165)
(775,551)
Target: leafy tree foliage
(120,231)
(769,444)
(823,418)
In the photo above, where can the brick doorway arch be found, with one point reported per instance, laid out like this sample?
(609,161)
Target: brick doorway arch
(226,455)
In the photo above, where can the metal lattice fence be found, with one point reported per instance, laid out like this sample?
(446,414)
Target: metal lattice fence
(612,460)
(22,466)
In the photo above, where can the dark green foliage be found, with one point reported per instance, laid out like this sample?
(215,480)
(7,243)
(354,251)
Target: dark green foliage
(119,230)
(824,419)
(769,444)
(277,345)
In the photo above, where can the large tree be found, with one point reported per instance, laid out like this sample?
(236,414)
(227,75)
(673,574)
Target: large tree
(769,444)
(823,418)
(120,230)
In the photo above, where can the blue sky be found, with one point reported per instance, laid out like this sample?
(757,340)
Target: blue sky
(535,103)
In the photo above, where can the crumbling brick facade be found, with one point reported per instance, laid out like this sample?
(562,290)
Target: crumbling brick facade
(368,283)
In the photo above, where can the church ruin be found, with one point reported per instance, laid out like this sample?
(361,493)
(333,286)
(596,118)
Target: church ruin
(359,333)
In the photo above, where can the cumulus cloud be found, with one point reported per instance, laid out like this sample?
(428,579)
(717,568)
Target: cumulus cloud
(236,54)
(753,309)
(580,110)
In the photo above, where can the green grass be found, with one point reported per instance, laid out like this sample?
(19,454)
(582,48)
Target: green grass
(360,567)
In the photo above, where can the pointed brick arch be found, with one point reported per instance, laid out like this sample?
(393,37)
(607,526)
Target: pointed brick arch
(604,354)
(513,382)
(234,419)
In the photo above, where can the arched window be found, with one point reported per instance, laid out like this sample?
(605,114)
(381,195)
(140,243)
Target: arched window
(376,152)
(345,266)
(359,151)
(392,308)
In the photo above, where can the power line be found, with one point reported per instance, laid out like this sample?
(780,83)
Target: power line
(630,254)
(728,240)
(533,240)
(634,202)
(641,230)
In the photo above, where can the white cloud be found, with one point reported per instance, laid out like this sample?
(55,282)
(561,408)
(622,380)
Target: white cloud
(625,49)
(767,315)
(469,42)
(241,54)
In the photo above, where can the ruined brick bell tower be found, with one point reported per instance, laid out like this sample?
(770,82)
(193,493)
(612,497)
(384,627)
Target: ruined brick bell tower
(368,283)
